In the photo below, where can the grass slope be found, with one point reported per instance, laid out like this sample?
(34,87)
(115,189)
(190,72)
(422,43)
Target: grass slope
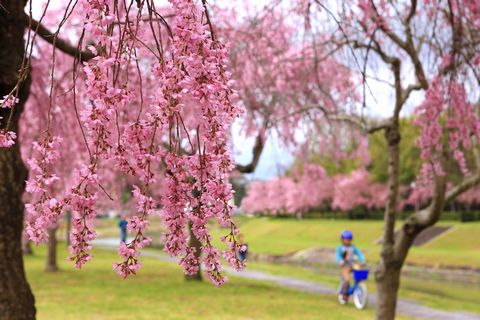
(159,292)
(457,247)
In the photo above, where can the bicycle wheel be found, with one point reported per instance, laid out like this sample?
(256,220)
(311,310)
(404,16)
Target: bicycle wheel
(360,296)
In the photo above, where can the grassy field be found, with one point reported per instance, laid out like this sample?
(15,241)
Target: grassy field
(241,299)
(436,294)
(459,246)
(159,292)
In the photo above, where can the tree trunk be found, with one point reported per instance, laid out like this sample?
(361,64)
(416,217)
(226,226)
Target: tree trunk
(299,216)
(51,263)
(395,246)
(68,217)
(26,246)
(16,298)
(195,243)
(388,270)
(388,283)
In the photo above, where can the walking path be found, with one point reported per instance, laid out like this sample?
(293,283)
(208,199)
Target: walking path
(404,307)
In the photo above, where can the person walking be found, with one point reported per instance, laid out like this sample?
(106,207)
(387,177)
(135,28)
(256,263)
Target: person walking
(122,224)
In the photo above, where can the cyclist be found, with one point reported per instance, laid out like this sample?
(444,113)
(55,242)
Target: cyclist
(347,255)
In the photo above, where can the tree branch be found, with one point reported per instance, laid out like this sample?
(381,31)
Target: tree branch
(430,215)
(59,43)
(367,127)
(419,221)
(462,187)
(413,9)
(392,35)
(257,152)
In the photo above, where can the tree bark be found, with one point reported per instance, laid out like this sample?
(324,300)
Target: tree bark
(387,274)
(387,287)
(26,246)
(51,262)
(16,298)
(195,243)
(68,217)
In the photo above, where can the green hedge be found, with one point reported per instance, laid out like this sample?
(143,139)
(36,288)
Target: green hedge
(464,215)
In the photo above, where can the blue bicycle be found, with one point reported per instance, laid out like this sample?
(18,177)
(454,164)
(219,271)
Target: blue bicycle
(358,290)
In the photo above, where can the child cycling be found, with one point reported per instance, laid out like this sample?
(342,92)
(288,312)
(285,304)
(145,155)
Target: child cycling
(347,255)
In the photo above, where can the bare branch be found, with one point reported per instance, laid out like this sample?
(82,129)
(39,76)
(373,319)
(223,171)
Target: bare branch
(409,90)
(257,152)
(369,127)
(376,48)
(394,37)
(59,43)
(468,183)
(411,13)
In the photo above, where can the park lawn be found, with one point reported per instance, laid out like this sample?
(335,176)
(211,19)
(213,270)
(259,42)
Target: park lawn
(433,293)
(160,292)
(457,247)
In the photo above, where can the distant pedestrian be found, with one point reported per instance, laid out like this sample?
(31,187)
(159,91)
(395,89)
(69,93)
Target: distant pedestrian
(122,224)
(243,251)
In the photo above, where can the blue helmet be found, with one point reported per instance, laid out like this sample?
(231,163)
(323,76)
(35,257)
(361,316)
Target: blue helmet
(347,234)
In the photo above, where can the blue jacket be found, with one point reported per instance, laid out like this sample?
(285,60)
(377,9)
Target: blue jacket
(354,253)
(123,224)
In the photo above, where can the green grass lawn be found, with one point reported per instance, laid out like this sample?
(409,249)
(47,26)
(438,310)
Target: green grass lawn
(159,292)
(436,294)
(459,246)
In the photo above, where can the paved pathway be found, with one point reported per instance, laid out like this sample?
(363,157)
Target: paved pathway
(404,307)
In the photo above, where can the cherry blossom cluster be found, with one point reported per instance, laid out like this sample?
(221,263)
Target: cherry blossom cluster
(83,204)
(137,226)
(446,101)
(197,75)
(46,209)
(7,138)
(136,155)
(235,247)
(8,101)
(107,100)
(96,117)
(428,117)
(182,127)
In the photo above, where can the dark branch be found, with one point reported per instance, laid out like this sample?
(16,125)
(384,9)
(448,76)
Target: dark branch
(369,127)
(257,152)
(413,9)
(59,43)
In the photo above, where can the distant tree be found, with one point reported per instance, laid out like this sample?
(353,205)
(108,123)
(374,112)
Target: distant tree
(296,194)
